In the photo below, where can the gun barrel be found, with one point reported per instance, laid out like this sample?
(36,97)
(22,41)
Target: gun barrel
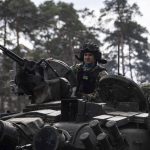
(12,55)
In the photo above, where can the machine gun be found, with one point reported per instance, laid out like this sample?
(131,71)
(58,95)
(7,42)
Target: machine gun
(31,77)
(12,55)
(29,65)
(28,71)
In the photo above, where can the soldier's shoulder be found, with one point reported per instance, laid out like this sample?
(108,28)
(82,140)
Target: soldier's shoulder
(101,71)
(76,66)
(100,68)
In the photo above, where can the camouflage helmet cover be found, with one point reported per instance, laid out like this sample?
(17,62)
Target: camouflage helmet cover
(91,48)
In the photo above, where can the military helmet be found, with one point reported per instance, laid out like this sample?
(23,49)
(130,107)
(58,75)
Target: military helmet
(91,48)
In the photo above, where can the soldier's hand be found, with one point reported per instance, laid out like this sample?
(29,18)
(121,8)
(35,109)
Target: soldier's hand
(88,97)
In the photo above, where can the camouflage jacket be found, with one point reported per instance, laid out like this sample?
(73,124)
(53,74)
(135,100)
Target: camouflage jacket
(99,73)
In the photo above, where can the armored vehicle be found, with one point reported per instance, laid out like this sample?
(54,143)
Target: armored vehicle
(56,121)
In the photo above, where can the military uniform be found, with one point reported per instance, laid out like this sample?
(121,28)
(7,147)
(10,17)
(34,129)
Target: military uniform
(88,74)
(88,80)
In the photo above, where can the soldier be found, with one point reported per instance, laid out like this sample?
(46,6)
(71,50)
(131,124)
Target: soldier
(89,72)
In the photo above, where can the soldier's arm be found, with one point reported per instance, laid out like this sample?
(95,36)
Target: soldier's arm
(95,95)
(102,74)
(75,68)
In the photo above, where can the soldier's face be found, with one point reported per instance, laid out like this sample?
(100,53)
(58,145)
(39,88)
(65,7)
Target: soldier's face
(89,58)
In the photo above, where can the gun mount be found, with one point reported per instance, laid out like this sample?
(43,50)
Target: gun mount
(120,122)
(36,78)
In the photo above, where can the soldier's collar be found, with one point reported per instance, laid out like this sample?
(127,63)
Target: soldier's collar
(87,67)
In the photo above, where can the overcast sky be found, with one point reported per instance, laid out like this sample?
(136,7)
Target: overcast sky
(144,6)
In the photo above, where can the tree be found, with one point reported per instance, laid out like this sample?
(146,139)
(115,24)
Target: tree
(126,31)
(142,66)
(134,36)
(46,26)
(4,19)
(60,31)
(22,14)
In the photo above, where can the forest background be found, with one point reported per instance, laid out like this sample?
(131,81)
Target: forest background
(57,29)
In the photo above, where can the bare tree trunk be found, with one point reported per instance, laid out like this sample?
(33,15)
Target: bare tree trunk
(130,66)
(118,55)
(120,49)
(17,38)
(122,53)
(5,31)
(17,31)
(120,18)
(2,99)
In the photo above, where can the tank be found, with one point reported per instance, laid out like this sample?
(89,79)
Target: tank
(56,121)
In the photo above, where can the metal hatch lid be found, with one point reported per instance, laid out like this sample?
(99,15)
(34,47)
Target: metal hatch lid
(114,89)
(63,69)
